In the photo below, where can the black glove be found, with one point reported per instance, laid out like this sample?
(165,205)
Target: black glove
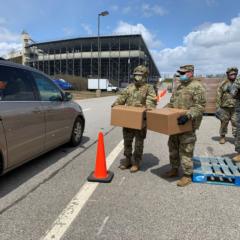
(182,120)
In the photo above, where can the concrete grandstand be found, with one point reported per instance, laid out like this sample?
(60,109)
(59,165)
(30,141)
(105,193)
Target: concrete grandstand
(78,57)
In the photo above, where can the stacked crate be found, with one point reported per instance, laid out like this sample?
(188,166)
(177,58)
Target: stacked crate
(211,86)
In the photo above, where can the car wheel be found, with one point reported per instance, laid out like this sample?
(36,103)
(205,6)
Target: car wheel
(77,132)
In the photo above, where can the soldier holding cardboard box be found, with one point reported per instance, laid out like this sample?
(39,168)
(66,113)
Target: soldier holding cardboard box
(235,92)
(225,104)
(137,94)
(189,95)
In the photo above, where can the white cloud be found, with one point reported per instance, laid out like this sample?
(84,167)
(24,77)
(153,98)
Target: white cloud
(146,9)
(9,41)
(6,35)
(212,49)
(126,28)
(87,28)
(68,31)
(6,48)
(149,10)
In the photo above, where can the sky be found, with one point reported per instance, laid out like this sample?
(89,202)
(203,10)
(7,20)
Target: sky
(205,33)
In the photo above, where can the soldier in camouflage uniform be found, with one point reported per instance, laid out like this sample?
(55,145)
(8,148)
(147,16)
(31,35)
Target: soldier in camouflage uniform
(137,94)
(189,95)
(235,92)
(225,104)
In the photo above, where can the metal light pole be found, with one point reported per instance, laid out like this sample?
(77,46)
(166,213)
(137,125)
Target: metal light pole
(103,14)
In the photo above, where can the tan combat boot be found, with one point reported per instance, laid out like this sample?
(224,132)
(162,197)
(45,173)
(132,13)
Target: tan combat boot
(184,181)
(134,168)
(222,140)
(125,164)
(236,158)
(171,174)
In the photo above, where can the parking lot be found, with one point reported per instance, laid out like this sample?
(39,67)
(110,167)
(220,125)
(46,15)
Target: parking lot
(133,206)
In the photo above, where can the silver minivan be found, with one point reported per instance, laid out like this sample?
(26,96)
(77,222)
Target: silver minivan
(35,115)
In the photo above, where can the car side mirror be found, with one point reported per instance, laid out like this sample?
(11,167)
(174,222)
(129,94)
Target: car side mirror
(68,96)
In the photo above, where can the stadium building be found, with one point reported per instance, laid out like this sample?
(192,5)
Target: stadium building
(78,57)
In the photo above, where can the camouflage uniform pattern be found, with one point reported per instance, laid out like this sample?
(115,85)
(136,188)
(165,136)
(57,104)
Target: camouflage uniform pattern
(235,92)
(136,96)
(189,96)
(226,102)
(143,96)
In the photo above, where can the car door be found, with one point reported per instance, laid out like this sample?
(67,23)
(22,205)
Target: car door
(58,114)
(3,146)
(21,115)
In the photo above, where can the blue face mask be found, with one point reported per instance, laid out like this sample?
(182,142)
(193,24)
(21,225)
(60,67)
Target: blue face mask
(184,78)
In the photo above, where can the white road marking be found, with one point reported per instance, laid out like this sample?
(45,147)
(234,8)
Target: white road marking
(102,226)
(73,209)
(122,180)
(86,109)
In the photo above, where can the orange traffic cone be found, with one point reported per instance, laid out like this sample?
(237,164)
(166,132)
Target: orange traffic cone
(159,96)
(100,173)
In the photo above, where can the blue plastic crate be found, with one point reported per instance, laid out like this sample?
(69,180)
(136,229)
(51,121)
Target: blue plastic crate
(216,170)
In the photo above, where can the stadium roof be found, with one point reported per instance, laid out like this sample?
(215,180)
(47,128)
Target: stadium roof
(71,43)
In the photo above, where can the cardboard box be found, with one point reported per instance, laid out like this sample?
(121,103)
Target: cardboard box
(128,117)
(211,101)
(164,121)
(211,86)
(211,104)
(210,110)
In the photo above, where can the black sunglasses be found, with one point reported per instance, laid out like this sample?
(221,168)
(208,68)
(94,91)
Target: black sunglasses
(182,73)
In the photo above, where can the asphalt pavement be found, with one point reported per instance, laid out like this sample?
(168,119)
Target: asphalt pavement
(132,206)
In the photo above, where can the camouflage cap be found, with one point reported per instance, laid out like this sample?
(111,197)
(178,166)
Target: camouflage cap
(186,68)
(141,70)
(232,70)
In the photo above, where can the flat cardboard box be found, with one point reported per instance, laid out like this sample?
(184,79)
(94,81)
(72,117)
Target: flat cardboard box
(211,93)
(128,117)
(210,104)
(211,100)
(210,110)
(164,121)
(211,80)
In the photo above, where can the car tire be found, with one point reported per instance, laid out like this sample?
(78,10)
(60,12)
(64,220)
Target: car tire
(77,132)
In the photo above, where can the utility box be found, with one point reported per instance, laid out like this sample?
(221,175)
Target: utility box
(164,121)
(128,117)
